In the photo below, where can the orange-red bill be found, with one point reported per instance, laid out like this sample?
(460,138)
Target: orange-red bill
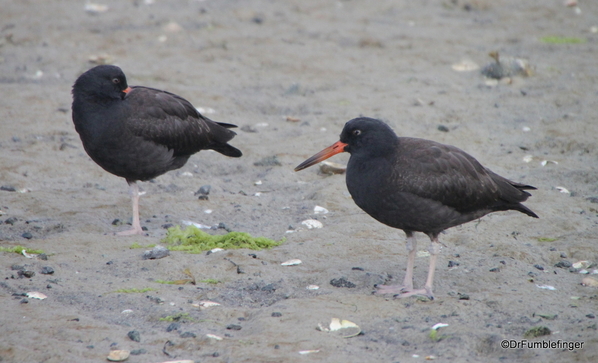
(127,90)
(337,148)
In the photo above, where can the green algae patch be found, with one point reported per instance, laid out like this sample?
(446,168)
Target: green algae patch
(133,290)
(194,240)
(180,317)
(562,40)
(137,246)
(19,249)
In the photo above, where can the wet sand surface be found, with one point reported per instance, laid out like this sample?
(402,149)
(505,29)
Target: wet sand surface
(290,74)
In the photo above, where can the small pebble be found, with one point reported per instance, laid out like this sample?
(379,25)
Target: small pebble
(27,235)
(563,264)
(453,264)
(173,326)
(47,270)
(188,334)
(134,336)
(443,128)
(276,314)
(203,192)
(233,327)
(539,267)
(342,282)
(26,273)
(138,351)
(495,269)
(156,253)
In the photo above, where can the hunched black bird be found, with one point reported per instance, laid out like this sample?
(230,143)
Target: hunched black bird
(418,185)
(139,133)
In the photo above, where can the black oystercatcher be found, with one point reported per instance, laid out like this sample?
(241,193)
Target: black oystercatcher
(418,185)
(139,133)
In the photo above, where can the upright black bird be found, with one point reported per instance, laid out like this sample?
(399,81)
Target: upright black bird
(418,185)
(139,133)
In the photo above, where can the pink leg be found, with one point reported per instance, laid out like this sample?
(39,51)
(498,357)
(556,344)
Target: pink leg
(136,229)
(408,280)
(435,247)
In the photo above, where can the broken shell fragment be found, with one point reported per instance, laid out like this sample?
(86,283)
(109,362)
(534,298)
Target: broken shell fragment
(312,224)
(329,167)
(528,158)
(465,65)
(213,336)
(95,8)
(292,262)
(303,352)
(36,295)
(589,281)
(546,287)
(118,355)
(320,210)
(349,328)
(28,255)
(563,190)
(544,162)
(206,304)
(312,287)
(581,264)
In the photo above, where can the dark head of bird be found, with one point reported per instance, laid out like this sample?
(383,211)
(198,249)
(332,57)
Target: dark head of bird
(362,136)
(104,82)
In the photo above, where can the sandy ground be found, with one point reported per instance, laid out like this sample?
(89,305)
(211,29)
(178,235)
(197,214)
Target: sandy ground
(255,63)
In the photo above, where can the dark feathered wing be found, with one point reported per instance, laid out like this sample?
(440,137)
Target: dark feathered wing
(169,120)
(454,178)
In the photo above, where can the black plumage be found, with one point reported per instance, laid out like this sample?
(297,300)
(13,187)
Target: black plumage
(139,133)
(418,185)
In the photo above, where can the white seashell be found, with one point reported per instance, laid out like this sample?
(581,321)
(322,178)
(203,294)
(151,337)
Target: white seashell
(257,194)
(28,255)
(95,8)
(312,223)
(127,311)
(207,304)
(528,158)
(337,324)
(213,336)
(584,272)
(581,264)
(563,190)
(198,225)
(118,355)
(526,129)
(309,351)
(439,325)
(208,211)
(292,262)
(544,162)
(465,65)
(259,182)
(217,249)
(36,295)
(320,210)
(546,287)
(422,254)
(312,287)
(186,173)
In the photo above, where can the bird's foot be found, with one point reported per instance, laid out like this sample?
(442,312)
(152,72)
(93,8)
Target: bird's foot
(401,291)
(131,232)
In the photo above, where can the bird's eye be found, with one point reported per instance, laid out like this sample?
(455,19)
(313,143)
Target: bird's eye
(356,132)
(115,80)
